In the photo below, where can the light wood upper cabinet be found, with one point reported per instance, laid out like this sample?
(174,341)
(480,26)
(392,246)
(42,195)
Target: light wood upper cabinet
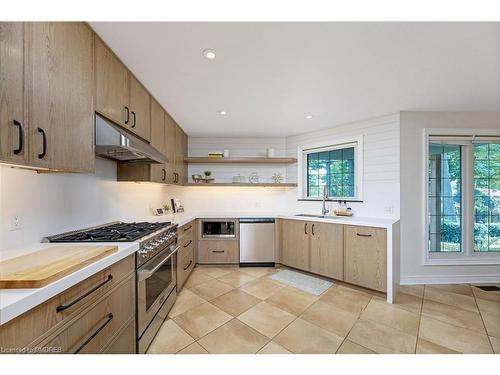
(13,129)
(112,85)
(327,250)
(295,243)
(180,154)
(170,131)
(158,141)
(119,95)
(365,256)
(60,90)
(140,120)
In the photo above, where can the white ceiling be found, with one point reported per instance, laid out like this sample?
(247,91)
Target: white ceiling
(269,76)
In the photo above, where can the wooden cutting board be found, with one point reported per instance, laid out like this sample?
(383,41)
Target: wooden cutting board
(43,267)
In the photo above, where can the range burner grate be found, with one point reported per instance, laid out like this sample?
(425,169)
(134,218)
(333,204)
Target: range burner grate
(116,232)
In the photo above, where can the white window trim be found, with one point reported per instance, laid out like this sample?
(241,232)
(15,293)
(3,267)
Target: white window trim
(467,256)
(332,143)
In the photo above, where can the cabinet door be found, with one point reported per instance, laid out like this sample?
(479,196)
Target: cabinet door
(170,149)
(13,129)
(140,120)
(327,250)
(180,154)
(365,257)
(295,244)
(158,140)
(111,81)
(61,112)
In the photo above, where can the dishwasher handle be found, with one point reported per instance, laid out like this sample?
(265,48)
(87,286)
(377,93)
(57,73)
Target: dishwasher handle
(256,220)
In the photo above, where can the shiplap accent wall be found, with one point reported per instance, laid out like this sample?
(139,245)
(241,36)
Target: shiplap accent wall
(201,146)
(380,164)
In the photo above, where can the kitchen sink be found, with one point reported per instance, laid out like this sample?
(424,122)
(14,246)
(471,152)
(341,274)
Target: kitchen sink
(318,216)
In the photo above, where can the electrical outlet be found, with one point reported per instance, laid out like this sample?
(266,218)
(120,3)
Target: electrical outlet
(15,223)
(389,209)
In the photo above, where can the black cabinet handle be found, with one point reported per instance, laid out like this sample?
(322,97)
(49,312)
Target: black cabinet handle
(127,115)
(164,174)
(95,333)
(176,177)
(44,143)
(189,243)
(133,122)
(305,228)
(363,235)
(217,251)
(189,265)
(188,228)
(21,137)
(84,295)
(312,229)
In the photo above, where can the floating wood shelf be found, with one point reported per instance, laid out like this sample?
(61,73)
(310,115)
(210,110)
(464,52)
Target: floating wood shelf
(260,184)
(240,160)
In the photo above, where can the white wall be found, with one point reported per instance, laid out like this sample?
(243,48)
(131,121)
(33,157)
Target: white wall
(413,241)
(53,203)
(380,165)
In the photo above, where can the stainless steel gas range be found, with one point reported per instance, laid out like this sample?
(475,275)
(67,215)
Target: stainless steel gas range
(155,268)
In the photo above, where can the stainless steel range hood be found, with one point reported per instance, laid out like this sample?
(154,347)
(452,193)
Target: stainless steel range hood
(113,142)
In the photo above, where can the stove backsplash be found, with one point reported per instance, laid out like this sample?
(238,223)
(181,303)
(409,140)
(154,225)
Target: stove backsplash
(48,204)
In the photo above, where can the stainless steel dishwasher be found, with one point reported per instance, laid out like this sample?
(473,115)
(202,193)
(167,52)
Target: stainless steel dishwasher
(256,242)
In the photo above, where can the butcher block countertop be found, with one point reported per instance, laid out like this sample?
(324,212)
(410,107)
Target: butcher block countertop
(14,302)
(46,266)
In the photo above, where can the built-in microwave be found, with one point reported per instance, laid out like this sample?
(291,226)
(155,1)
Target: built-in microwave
(218,228)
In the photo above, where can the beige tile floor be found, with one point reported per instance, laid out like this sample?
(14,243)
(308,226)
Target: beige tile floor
(242,310)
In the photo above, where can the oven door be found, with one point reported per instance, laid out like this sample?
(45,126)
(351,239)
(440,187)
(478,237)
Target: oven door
(155,280)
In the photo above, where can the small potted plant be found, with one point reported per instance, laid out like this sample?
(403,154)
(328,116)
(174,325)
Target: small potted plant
(207,176)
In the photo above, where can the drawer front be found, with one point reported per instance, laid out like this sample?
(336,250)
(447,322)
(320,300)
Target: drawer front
(186,232)
(92,331)
(125,342)
(365,257)
(185,264)
(34,325)
(221,252)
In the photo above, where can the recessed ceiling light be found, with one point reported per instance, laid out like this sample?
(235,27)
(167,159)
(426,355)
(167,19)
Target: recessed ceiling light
(308,117)
(209,54)
(222,113)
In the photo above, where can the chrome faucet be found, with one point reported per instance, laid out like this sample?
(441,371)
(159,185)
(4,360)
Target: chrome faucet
(324,210)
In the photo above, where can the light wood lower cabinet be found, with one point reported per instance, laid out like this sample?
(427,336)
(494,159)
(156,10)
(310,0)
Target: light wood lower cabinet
(295,244)
(327,250)
(365,256)
(124,342)
(218,252)
(186,254)
(91,331)
(64,320)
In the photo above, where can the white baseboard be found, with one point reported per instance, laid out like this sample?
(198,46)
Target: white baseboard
(450,279)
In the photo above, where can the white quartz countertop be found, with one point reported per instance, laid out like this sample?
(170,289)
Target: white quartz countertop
(14,302)
(184,218)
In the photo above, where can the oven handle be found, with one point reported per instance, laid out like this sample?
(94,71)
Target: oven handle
(147,273)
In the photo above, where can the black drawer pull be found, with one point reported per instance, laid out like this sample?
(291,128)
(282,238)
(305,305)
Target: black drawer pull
(96,332)
(127,115)
(189,243)
(84,295)
(189,265)
(133,123)
(312,230)
(363,235)
(217,251)
(305,228)
(21,137)
(163,174)
(188,228)
(44,143)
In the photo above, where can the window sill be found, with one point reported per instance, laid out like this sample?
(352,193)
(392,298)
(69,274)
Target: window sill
(462,262)
(328,200)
